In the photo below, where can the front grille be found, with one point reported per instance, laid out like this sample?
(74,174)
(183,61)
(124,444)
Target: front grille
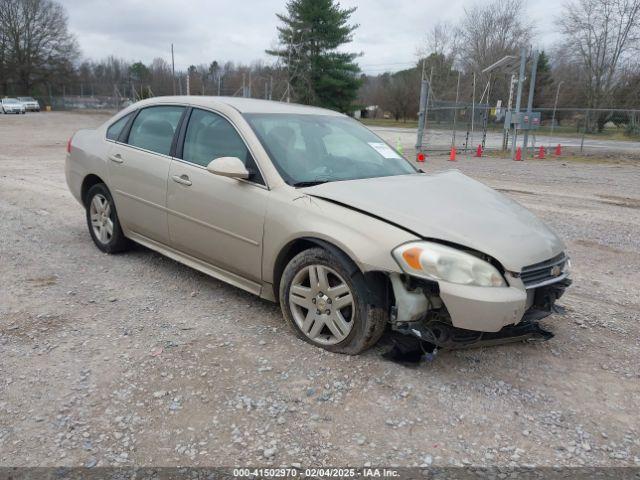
(544,273)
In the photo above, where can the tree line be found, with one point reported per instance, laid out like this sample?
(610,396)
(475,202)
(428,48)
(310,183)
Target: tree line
(594,61)
(594,64)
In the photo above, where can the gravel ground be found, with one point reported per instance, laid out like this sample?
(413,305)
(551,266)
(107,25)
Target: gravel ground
(135,359)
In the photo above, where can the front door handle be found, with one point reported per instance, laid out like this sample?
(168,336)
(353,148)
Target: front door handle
(117,158)
(182,179)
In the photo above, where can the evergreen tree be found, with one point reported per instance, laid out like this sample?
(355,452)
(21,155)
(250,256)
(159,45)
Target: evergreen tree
(309,36)
(544,93)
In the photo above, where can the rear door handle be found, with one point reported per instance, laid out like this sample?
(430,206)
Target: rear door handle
(182,179)
(117,158)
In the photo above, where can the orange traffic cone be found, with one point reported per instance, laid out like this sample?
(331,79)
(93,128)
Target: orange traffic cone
(518,154)
(452,154)
(558,151)
(420,157)
(541,154)
(479,151)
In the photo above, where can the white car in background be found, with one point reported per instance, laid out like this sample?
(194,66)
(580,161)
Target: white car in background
(30,104)
(12,105)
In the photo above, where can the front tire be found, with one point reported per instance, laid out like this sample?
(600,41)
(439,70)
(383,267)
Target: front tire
(327,306)
(102,220)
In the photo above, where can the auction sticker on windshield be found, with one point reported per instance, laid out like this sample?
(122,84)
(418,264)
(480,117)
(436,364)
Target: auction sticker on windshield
(383,149)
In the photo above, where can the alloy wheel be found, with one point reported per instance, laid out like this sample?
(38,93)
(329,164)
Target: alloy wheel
(321,303)
(101,222)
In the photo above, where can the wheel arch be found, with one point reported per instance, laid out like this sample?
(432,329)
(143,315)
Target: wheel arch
(88,182)
(377,283)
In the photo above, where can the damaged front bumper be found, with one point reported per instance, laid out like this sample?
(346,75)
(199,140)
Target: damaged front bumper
(454,316)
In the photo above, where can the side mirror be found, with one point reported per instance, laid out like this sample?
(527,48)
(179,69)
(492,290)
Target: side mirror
(231,167)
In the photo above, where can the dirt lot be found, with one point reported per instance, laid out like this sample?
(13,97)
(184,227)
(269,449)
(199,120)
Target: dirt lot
(135,359)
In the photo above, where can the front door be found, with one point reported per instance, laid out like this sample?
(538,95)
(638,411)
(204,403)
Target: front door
(139,168)
(216,219)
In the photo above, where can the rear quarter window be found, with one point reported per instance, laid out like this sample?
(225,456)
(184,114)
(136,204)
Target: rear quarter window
(113,132)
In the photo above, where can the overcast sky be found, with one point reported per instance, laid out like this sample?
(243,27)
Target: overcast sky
(205,30)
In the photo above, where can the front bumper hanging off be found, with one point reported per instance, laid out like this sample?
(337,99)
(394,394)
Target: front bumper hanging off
(437,330)
(448,337)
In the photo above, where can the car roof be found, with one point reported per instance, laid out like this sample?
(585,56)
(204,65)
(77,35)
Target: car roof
(244,105)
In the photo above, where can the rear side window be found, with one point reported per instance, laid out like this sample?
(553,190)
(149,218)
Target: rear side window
(154,128)
(114,131)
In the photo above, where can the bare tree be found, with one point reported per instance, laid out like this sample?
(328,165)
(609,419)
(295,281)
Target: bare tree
(489,32)
(601,36)
(401,92)
(4,53)
(36,42)
(440,40)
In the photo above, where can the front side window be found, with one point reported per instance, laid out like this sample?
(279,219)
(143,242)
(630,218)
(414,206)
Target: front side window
(114,131)
(309,149)
(210,136)
(154,128)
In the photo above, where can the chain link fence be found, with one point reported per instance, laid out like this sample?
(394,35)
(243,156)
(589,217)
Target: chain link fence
(112,97)
(463,125)
(466,126)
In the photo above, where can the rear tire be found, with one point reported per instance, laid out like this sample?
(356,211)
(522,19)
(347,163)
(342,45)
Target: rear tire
(327,306)
(102,220)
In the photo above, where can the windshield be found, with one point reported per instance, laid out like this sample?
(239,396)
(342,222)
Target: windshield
(9,100)
(309,149)
(26,99)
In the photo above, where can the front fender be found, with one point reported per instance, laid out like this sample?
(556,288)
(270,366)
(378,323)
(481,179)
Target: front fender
(367,241)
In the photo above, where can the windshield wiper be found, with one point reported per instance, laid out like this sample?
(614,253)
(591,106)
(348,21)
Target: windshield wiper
(310,183)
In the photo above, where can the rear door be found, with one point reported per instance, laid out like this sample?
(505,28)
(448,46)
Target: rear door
(139,168)
(216,219)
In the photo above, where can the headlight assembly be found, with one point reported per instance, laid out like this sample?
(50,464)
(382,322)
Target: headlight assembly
(434,261)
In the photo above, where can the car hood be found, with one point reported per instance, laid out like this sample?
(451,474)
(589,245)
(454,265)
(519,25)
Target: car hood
(450,207)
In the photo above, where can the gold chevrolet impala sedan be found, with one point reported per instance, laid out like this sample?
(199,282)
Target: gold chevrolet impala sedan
(308,208)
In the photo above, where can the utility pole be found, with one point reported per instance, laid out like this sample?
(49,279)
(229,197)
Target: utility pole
(455,112)
(523,60)
(424,92)
(555,105)
(270,87)
(473,108)
(505,135)
(173,70)
(532,88)
(429,92)
(219,82)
